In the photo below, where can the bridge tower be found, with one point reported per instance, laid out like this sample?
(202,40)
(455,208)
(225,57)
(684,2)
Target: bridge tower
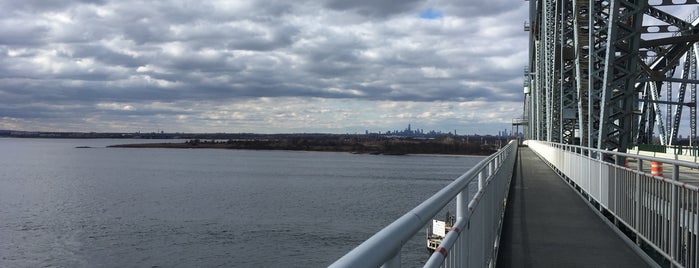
(601,72)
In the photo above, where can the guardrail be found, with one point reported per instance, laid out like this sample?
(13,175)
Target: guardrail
(661,213)
(475,235)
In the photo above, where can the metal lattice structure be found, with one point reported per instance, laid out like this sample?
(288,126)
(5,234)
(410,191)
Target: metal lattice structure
(601,74)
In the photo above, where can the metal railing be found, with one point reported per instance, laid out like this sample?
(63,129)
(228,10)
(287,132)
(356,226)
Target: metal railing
(661,213)
(475,235)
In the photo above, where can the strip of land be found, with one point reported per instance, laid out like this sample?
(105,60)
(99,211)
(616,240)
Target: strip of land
(354,144)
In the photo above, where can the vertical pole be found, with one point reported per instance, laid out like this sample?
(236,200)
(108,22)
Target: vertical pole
(620,161)
(674,212)
(461,203)
(637,199)
(590,171)
(481,180)
(498,158)
(393,262)
(461,210)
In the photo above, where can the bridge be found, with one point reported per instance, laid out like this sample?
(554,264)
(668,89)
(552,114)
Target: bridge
(603,177)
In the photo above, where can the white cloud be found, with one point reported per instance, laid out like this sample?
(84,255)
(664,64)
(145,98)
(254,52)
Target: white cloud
(320,66)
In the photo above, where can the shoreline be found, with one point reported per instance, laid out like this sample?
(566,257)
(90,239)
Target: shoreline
(290,150)
(451,155)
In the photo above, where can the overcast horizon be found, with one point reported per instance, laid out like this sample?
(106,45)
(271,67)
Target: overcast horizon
(324,66)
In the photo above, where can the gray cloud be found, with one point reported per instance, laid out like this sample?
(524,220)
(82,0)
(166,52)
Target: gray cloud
(474,9)
(69,56)
(106,55)
(374,8)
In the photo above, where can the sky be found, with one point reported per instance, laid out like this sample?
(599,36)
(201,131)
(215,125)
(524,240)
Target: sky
(263,66)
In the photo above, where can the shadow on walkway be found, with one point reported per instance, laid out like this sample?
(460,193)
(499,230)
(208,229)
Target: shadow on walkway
(548,225)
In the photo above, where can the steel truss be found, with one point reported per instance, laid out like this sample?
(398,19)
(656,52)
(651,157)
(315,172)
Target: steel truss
(601,71)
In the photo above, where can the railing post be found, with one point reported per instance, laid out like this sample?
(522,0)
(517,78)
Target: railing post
(589,174)
(461,210)
(497,162)
(674,212)
(393,262)
(481,180)
(462,204)
(637,199)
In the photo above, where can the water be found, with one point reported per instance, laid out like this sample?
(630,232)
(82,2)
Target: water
(62,206)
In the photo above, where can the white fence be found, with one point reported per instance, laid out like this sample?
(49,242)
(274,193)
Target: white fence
(660,212)
(475,235)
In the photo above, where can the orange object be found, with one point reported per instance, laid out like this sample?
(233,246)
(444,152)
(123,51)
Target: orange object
(656,168)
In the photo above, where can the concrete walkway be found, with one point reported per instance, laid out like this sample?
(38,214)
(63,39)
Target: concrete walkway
(548,225)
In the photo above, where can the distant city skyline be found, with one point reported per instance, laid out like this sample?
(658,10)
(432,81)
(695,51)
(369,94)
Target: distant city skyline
(411,131)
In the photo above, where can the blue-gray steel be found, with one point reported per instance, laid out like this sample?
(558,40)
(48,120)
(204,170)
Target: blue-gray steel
(662,212)
(596,72)
(478,221)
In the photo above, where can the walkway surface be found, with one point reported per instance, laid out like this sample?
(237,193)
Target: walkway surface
(548,225)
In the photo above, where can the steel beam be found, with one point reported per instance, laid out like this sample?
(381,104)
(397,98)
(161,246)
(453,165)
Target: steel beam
(601,78)
(567,71)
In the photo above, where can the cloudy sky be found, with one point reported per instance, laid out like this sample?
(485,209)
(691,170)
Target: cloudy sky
(267,66)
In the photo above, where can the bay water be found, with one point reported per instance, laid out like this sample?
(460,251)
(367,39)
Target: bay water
(62,206)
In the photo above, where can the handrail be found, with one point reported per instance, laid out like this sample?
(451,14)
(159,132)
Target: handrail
(637,156)
(674,162)
(383,248)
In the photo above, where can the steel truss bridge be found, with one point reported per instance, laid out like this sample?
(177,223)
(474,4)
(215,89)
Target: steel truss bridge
(602,76)
(610,74)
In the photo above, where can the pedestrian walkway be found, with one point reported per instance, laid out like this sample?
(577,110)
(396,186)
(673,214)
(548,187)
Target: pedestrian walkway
(548,225)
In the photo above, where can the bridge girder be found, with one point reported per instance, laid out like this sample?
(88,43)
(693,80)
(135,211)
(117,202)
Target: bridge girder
(596,78)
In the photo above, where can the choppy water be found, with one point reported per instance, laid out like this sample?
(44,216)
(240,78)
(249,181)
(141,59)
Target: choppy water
(61,206)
